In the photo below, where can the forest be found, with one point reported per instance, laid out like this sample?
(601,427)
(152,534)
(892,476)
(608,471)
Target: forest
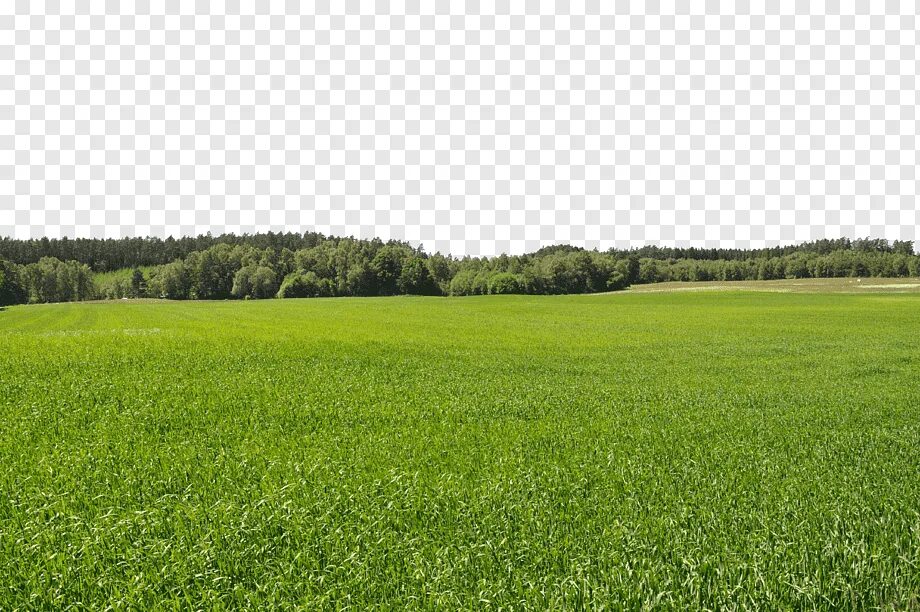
(287,265)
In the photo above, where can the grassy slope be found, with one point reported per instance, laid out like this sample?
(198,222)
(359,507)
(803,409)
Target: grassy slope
(683,448)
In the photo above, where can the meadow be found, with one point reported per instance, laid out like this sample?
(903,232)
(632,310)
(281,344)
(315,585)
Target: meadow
(674,449)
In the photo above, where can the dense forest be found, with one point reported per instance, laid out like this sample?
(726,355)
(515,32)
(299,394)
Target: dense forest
(312,265)
(110,254)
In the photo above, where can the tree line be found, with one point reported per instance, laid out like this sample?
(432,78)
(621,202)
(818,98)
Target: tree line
(835,264)
(823,246)
(111,254)
(330,267)
(312,265)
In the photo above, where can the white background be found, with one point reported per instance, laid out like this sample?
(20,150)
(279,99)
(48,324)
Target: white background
(476,129)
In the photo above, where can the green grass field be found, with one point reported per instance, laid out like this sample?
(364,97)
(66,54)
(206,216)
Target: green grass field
(683,450)
(794,285)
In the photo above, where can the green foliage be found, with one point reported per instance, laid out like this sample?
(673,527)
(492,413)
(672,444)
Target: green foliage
(617,281)
(650,271)
(836,264)
(817,247)
(360,280)
(108,255)
(304,285)
(212,272)
(387,267)
(126,283)
(242,281)
(632,270)
(503,283)
(439,270)
(172,282)
(52,280)
(913,266)
(138,283)
(641,451)
(462,283)
(255,281)
(113,285)
(13,289)
(415,279)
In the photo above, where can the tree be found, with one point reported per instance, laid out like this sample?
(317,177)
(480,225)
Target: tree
(439,270)
(462,283)
(305,284)
(12,289)
(360,280)
(913,266)
(480,283)
(796,267)
(172,282)
(53,280)
(649,271)
(387,267)
(903,247)
(285,264)
(242,282)
(632,269)
(264,283)
(42,281)
(617,281)
(414,278)
(138,283)
(505,283)
(212,272)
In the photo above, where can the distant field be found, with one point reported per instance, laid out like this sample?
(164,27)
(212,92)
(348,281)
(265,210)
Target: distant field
(675,449)
(799,285)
